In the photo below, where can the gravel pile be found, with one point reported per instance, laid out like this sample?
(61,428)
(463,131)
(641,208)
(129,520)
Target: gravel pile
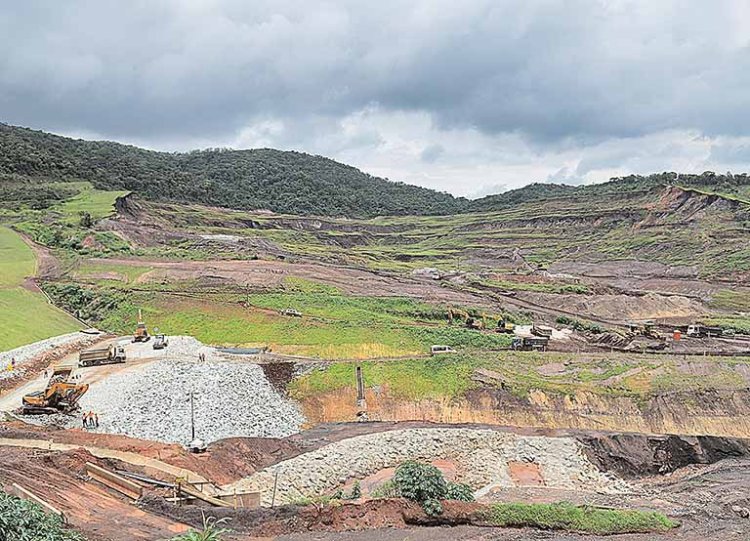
(231,399)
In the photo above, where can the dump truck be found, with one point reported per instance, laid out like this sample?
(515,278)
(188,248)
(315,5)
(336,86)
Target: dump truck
(703,331)
(529,343)
(60,395)
(114,353)
(141,332)
(160,341)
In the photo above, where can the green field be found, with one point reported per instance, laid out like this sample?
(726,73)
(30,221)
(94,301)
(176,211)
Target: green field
(25,316)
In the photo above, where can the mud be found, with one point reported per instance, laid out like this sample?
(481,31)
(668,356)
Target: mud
(636,455)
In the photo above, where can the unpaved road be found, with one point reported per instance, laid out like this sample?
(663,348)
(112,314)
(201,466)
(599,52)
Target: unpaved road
(137,355)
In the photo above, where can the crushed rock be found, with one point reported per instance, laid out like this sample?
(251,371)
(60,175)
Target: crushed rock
(152,401)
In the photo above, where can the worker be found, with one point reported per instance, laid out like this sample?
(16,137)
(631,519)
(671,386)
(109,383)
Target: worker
(13,363)
(96,420)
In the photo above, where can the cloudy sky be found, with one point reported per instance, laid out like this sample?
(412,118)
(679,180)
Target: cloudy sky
(471,97)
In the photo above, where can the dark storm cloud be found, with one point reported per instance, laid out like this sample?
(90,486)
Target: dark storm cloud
(549,70)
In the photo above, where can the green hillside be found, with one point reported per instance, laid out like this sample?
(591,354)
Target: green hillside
(25,315)
(289,182)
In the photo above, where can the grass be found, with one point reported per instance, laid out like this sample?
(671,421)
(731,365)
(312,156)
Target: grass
(733,300)
(25,316)
(17,261)
(94,270)
(568,517)
(332,326)
(98,203)
(414,379)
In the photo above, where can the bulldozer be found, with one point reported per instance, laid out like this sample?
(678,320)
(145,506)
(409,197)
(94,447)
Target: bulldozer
(141,332)
(60,396)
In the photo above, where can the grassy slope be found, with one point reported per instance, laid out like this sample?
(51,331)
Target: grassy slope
(334,326)
(25,316)
(449,377)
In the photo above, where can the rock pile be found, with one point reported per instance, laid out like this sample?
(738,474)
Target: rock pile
(482,455)
(25,354)
(152,402)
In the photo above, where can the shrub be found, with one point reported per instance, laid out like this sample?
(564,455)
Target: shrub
(425,484)
(460,492)
(22,520)
(388,489)
(420,482)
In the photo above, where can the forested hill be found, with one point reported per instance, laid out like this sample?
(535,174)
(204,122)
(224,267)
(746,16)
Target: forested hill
(732,186)
(286,182)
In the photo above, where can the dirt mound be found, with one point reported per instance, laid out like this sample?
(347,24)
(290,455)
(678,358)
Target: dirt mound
(290,519)
(620,308)
(225,461)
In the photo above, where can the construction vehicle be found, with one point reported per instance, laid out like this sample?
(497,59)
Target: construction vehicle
(703,331)
(60,396)
(529,343)
(114,353)
(141,332)
(441,350)
(160,341)
(545,332)
(647,329)
(506,327)
(474,323)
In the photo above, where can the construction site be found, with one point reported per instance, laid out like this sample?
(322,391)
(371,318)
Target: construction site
(141,436)
(563,367)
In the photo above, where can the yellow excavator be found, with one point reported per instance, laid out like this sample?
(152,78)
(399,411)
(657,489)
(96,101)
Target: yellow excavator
(60,396)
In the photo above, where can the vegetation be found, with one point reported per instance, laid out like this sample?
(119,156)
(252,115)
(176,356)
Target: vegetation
(565,516)
(211,531)
(22,520)
(288,182)
(425,484)
(578,325)
(450,377)
(25,315)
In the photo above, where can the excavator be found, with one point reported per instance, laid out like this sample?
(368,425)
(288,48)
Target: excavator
(60,396)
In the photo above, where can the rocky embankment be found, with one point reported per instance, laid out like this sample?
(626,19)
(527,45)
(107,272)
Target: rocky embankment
(483,458)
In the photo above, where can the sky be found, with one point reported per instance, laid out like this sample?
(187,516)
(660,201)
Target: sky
(472,97)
